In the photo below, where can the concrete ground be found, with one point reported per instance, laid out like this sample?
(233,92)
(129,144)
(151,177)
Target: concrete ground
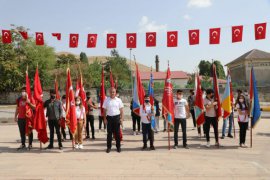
(227,162)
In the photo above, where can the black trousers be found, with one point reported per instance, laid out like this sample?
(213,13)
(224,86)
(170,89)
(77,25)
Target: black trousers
(208,122)
(64,133)
(147,134)
(183,123)
(100,119)
(243,129)
(113,126)
(192,112)
(90,119)
(54,124)
(136,119)
(21,125)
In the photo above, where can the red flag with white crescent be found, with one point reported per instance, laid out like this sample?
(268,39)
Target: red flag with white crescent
(172,39)
(6,36)
(131,40)
(70,105)
(237,33)
(214,36)
(73,40)
(260,31)
(39,39)
(92,41)
(111,40)
(151,39)
(194,36)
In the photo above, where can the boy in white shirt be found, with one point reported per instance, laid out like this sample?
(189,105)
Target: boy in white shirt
(146,111)
(181,113)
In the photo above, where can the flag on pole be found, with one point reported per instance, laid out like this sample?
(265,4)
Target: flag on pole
(81,92)
(199,107)
(39,120)
(70,105)
(216,91)
(226,100)
(102,91)
(29,111)
(255,110)
(151,95)
(167,100)
(56,89)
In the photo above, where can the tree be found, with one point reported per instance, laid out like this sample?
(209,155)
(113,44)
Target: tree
(205,68)
(15,57)
(83,57)
(120,69)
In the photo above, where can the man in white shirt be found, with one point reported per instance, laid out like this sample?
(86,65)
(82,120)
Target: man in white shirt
(113,116)
(181,113)
(146,111)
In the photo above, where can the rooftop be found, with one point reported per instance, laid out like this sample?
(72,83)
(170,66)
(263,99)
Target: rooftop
(162,75)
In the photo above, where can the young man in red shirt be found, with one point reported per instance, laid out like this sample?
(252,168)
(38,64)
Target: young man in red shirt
(20,117)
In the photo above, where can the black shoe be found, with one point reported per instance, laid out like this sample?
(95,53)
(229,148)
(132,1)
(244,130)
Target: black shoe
(164,130)
(144,148)
(222,137)
(60,147)
(49,147)
(21,147)
(30,147)
(152,148)
(93,137)
(108,150)
(230,136)
(175,147)
(119,150)
(186,146)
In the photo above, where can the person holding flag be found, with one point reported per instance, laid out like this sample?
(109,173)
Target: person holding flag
(20,117)
(210,116)
(81,117)
(90,116)
(181,113)
(243,119)
(146,112)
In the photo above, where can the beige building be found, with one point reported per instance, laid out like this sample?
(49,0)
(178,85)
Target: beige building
(240,68)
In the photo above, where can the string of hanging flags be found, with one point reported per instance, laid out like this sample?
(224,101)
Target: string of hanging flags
(150,37)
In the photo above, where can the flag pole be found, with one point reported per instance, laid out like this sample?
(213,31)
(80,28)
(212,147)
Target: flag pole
(169,143)
(130,50)
(40,145)
(251,133)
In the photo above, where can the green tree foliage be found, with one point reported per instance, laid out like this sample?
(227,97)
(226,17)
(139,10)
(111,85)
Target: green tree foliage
(120,70)
(15,57)
(83,57)
(205,68)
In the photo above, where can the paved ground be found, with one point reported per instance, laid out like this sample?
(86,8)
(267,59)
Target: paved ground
(198,162)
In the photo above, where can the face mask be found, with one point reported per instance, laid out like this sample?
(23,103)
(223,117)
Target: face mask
(52,96)
(146,101)
(212,96)
(88,97)
(24,94)
(78,103)
(241,100)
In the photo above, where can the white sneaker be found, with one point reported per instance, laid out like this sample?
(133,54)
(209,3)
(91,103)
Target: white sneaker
(80,146)
(208,145)
(99,131)
(138,133)
(76,146)
(134,133)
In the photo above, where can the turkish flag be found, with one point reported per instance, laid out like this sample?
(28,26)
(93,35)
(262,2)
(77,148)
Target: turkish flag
(24,34)
(260,31)
(237,33)
(151,39)
(29,111)
(92,40)
(56,89)
(6,36)
(39,120)
(102,92)
(194,36)
(214,35)
(73,40)
(57,35)
(172,39)
(111,79)
(70,105)
(216,91)
(131,40)
(111,40)
(39,38)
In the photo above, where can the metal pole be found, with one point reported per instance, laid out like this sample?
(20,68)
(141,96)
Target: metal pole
(130,71)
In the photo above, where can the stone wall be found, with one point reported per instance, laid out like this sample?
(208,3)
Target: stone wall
(126,95)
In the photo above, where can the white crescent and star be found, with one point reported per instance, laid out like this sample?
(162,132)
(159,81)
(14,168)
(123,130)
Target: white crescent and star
(150,37)
(193,35)
(74,39)
(92,38)
(111,39)
(131,38)
(39,36)
(214,34)
(260,29)
(6,34)
(236,32)
(172,37)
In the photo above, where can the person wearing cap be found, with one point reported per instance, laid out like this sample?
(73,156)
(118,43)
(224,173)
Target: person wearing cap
(20,118)
(113,116)
(54,113)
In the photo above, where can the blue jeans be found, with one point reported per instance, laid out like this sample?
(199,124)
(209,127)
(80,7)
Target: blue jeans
(225,121)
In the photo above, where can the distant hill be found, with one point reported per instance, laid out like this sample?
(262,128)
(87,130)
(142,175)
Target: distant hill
(91,59)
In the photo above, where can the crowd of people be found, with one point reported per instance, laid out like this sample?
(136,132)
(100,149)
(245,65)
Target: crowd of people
(112,116)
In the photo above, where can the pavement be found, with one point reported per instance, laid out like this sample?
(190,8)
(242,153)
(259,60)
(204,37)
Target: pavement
(227,162)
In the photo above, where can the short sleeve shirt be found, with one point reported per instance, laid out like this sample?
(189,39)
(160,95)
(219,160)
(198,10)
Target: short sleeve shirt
(244,116)
(144,113)
(113,106)
(21,104)
(209,112)
(180,108)
(80,112)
